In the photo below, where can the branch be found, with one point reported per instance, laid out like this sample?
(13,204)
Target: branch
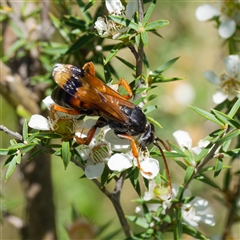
(113,196)
(11,133)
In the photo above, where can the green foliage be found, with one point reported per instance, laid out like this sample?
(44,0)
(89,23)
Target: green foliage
(76,41)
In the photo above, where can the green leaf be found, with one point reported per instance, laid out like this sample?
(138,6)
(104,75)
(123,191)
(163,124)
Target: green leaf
(149,13)
(124,22)
(138,39)
(140,221)
(12,166)
(188,174)
(156,24)
(207,180)
(27,148)
(14,47)
(18,31)
(8,161)
(16,146)
(166,65)
(131,66)
(104,176)
(89,5)
(227,180)
(79,43)
(207,115)
(203,153)
(187,229)
(66,153)
(75,22)
(226,119)
(218,167)
(228,136)
(144,37)
(234,109)
(4,152)
(153,121)
(113,52)
(178,225)
(149,109)
(25,130)
(62,30)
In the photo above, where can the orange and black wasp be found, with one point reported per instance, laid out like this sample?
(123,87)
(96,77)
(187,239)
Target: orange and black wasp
(79,91)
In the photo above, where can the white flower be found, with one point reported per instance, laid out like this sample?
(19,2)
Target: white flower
(120,161)
(185,142)
(193,212)
(198,210)
(58,122)
(97,153)
(39,122)
(227,26)
(229,83)
(162,193)
(108,28)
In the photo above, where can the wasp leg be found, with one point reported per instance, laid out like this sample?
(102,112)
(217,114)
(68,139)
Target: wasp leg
(101,122)
(89,66)
(123,82)
(134,151)
(56,108)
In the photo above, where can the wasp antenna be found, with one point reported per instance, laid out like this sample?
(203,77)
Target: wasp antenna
(165,161)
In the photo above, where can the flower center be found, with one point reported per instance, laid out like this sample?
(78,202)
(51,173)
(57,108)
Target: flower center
(230,86)
(99,153)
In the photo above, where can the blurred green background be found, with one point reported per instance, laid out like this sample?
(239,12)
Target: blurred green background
(200,48)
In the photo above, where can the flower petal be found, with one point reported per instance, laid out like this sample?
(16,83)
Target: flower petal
(48,102)
(131,8)
(227,28)
(94,171)
(219,97)
(183,139)
(39,122)
(150,165)
(232,65)
(206,12)
(119,162)
(212,77)
(114,6)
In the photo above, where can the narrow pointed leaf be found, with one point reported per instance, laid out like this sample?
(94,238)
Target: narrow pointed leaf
(229,136)
(89,5)
(113,52)
(66,154)
(144,37)
(226,119)
(218,167)
(207,115)
(234,109)
(188,174)
(166,65)
(208,181)
(149,13)
(178,226)
(156,24)
(187,229)
(25,130)
(153,121)
(79,44)
(131,66)
(62,30)
(12,166)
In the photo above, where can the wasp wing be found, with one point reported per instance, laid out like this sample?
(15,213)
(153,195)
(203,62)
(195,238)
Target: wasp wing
(91,90)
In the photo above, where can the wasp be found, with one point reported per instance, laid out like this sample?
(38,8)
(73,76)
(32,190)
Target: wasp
(79,91)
